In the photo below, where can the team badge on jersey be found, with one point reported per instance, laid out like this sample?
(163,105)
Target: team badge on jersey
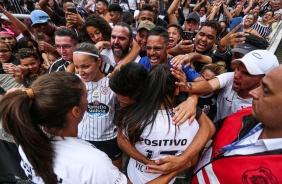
(97,109)
(105,90)
(259,175)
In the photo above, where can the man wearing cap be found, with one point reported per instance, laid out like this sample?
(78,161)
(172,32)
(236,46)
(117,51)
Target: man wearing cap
(235,86)
(142,34)
(248,146)
(192,22)
(252,42)
(42,22)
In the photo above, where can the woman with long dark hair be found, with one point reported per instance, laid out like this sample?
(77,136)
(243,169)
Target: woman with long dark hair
(43,120)
(148,124)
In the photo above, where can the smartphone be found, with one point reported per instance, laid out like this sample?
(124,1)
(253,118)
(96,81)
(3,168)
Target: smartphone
(188,35)
(234,22)
(72,9)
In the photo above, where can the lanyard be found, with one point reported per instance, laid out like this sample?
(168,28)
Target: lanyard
(232,145)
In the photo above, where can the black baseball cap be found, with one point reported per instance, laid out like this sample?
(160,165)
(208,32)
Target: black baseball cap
(195,16)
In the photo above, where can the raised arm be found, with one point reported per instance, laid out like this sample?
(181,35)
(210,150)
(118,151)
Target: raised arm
(171,16)
(43,5)
(16,22)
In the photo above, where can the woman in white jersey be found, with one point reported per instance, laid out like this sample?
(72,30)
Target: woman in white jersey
(148,124)
(97,125)
(43,120)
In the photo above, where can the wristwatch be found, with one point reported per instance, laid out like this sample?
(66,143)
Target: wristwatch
(189,85)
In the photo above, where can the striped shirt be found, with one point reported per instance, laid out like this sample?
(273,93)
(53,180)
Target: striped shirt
(58,65)
(97,123)
(263,30)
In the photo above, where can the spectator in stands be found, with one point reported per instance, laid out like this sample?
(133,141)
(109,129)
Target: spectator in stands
(262,27)
(115,13)
(251,136)
(9,21)
(248,22)
(102,9)
(156,8)
(42,22)
(235,86)
(65,42)
(142,35)
(208,102)
(29,69)
(203,8)
(146,13)
(175,32)
(8,36)
(97,30)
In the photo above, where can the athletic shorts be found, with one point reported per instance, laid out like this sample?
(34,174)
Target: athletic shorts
(110,147)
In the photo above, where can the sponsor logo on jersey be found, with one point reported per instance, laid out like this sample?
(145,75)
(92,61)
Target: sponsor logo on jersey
(105,90)
(164,142)
(97,109)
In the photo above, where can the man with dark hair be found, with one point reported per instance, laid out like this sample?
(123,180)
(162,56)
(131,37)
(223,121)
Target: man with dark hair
(207,37)
(146,13)
(65,42)
(157,44)
(102,9)
(250,139)
(121,42)
(115,11)
(156,8)
(128,83)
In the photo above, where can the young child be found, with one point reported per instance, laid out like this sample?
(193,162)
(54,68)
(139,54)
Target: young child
(29,68)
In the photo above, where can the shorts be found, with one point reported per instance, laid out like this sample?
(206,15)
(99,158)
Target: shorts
(110,147)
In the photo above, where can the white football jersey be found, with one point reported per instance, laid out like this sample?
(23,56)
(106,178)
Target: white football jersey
(97,123)
(77,161)
(163,140)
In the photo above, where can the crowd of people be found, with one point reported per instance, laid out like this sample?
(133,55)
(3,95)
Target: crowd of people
(82,82)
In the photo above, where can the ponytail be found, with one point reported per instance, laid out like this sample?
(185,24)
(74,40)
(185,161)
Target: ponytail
(46,104)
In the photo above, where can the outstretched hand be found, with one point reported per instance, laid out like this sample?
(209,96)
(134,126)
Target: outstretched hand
(233,37)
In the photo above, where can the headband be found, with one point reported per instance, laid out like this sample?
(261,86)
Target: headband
(87,53)
(7,31)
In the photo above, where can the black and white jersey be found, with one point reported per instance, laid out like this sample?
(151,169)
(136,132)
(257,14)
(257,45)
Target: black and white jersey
(58,65)
(97,123)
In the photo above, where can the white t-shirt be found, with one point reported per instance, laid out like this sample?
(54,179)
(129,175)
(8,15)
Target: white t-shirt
(77,161)
(107,56)
(261,145)
(228,102)
(165,139)
(97,123)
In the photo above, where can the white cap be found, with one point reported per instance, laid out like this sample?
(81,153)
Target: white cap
(259,62)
